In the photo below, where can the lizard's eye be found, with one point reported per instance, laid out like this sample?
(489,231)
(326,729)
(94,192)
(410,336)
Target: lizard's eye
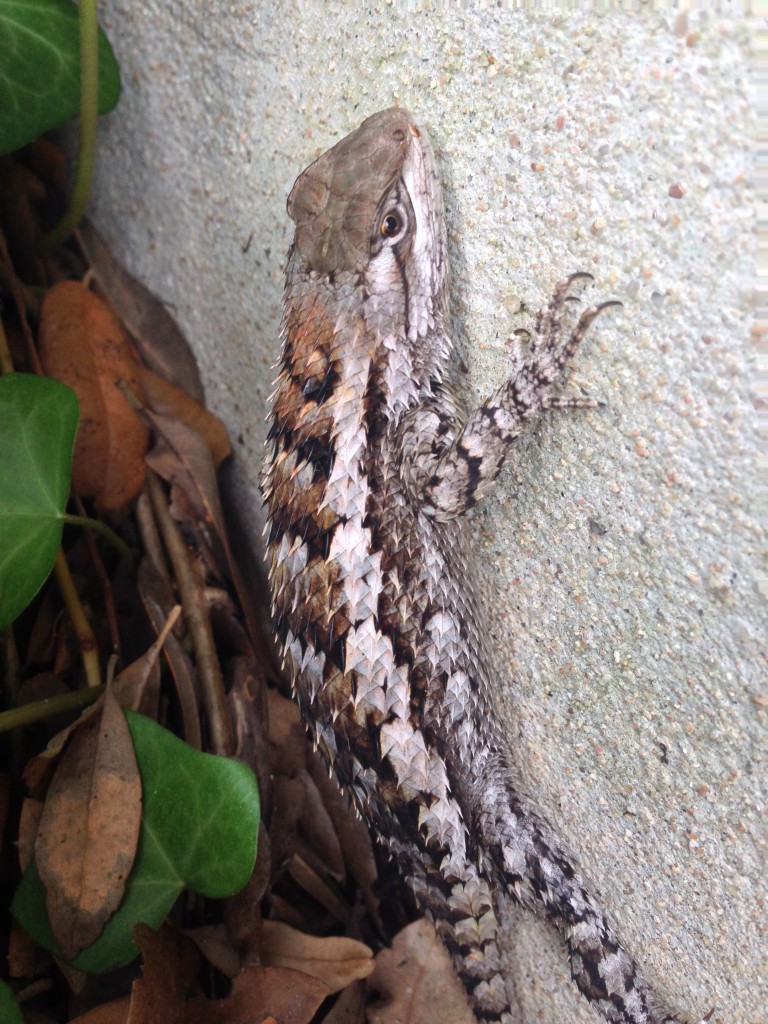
(391,224)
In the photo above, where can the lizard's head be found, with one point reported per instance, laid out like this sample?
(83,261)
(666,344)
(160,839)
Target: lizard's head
(370,211)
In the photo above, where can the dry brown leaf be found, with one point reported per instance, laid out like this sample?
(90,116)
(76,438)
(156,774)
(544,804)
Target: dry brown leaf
(21,193)
(353,835)
(319,832)
(158,598)
(349,1008)
(137,686)
(247,697)
(168,976)
(167,991)
(417,981)
(242,912)
(310,822)
(324,893)
(89,829)
(214,943)
(5,789)
(25,958)
(333,959)
(29,823)
(114,1012)
(247,705)
(50,163)
(83,345)
(40,768)
(287,805)
(157,334)
(168,400)
(261,994)
(182,458)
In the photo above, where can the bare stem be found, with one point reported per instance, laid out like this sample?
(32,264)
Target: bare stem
(86,638)
(198,621)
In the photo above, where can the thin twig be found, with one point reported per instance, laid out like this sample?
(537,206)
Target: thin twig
(198,621)
(17,291)
(86,638)
(104,582)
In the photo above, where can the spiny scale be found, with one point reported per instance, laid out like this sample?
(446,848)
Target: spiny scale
(371,465)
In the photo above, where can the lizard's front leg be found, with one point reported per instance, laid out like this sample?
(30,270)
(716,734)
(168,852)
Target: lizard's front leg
(447,480)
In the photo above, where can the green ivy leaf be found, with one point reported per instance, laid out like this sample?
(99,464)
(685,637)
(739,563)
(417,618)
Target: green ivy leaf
(40,69)
(9,1008)
(199,826)
(38,423)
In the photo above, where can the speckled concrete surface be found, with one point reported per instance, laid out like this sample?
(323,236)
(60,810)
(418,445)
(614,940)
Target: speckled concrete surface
(621,545)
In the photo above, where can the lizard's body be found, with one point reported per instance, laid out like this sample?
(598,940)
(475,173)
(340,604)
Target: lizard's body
(371,466)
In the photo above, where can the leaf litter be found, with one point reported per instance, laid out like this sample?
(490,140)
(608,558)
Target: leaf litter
(296,944)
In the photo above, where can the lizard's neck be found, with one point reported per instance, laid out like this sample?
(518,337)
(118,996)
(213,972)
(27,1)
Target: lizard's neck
(335,328)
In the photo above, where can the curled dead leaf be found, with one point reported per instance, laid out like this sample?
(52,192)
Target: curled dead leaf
(260,994)
(29,823)
(169,400)
(417,981)
(349,1007)
(333,959)
(158,336)
(168,976)
(83,345)
(114,1012)
(167,992)
(39,769)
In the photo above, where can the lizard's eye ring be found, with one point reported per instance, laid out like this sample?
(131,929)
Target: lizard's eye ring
(391,224)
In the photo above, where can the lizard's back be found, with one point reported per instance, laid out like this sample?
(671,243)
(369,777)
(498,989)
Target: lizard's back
(370,469)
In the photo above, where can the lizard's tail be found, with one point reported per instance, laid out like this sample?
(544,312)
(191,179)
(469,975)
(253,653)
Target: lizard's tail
(528,863)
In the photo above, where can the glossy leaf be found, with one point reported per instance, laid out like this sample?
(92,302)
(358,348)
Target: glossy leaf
(200,822)
(38,422)
(40,69)
(9,1008)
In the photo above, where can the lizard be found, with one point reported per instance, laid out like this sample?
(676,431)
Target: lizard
(371,464)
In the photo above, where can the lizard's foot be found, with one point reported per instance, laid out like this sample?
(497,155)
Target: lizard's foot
(547,348)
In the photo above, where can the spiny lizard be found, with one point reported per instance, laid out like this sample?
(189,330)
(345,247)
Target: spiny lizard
(371,465)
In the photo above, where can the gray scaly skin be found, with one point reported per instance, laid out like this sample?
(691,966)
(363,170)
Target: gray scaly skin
(371,465)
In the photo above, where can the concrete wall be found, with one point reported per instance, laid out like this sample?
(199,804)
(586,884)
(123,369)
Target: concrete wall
(619,548)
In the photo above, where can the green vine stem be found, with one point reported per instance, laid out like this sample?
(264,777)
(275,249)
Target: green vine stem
(37,710)
(103,530)
(89,114)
